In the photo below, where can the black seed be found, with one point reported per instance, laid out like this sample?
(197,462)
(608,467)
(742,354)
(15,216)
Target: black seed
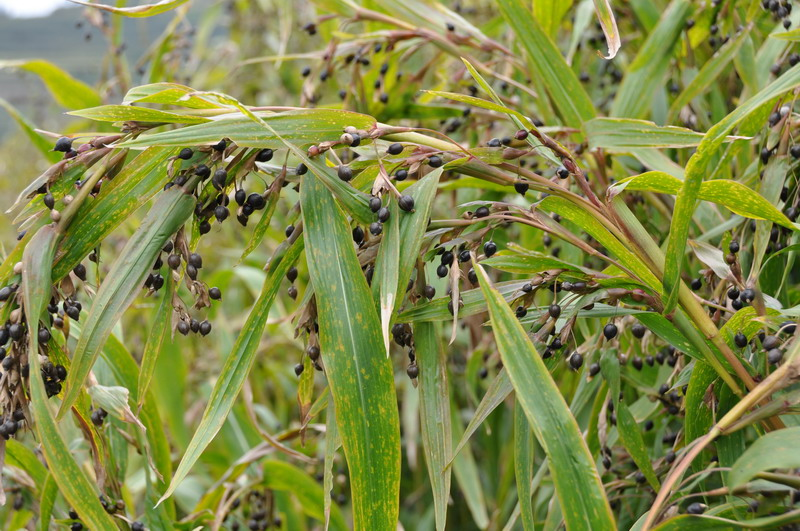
(401,175)
(441,271)
(44,335)
(5,293)
(482,212)
(265,155)
(521,187)
(73,312)
(406,203)
(205,328)
(733,247)
(203,171)
(748,295)
(795,151)
(194,325)
(494,142)
(80,271)
(435,161)
(412,371)
(375,228)
(221,213)
(696,284)
(594,369)
(313,352)
(395,149)
(637,363)
(429,292)
(610,331)
(774,356)
(204,227)
(375,203)
(696,508)
(472,276)
(575,361)
(554,311)
(447,258)
(770,342)
(191,272)
(383,215)
(298,369)
(306,71)
(16,331)
(356,140)
(358,234)
(301,169)
(740,339)
(256,201)
(240,197)
(291,275)
(49,201)
(289,230)
(464,256)
(63,144)
(733,293)
(174,261)
(638,330)
(220,179)
(215,293)
(489,248)
(345,173)
(196,260)
(185,154)
(521,312)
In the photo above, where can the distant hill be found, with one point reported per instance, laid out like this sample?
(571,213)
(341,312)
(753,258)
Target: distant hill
(62,39)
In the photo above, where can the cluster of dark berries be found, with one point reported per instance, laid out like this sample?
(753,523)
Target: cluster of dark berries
(53,375)
(780,10)
(98,416)
(404,337)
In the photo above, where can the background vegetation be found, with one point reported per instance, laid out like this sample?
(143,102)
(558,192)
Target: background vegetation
(495,265)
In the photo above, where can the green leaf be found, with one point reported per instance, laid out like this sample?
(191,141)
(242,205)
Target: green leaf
(22,457)
(43,144)
(237,365)
(550,14)
(385,277)
(65,89)
(631,435)
(359,374)
(436,310)
(124,282)
(72,482)
(696,170)
(591,225)
(167,94)
(332,443)
(285,477)
(468,477)
(609,25)
(562,84)
(413,226)
(498,390)
(304,126)
(645,75)
(733,195)
(523,466)
(434,398)
(159,331)
(47,500)
(776,449)
(129,113)
(577,483)
(624,134)
(146,10)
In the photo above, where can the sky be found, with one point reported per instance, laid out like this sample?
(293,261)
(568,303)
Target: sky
(31,8)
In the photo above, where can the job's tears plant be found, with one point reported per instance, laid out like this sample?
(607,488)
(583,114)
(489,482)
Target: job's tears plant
(475,275)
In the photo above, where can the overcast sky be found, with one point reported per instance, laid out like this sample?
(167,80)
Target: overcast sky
(31,8)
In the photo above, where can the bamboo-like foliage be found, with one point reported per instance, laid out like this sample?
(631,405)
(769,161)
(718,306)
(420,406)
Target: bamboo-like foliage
(460,272)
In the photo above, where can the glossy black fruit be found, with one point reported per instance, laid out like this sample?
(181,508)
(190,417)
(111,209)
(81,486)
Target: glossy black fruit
(696,284)
(554,311)
(383,214)
(265,155)
(375,203)
(521,187)
(375,228)
(435,161)
(442,271)
(733,247)
(575,361)
(489,248)
(482,212)
(401,175)
(740,339)
(395,149)
(214,293)
(638,330)
(562,172)
(345,173)
(406,203)
(610,331)
(298,369)
(185,154)
(63,144)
